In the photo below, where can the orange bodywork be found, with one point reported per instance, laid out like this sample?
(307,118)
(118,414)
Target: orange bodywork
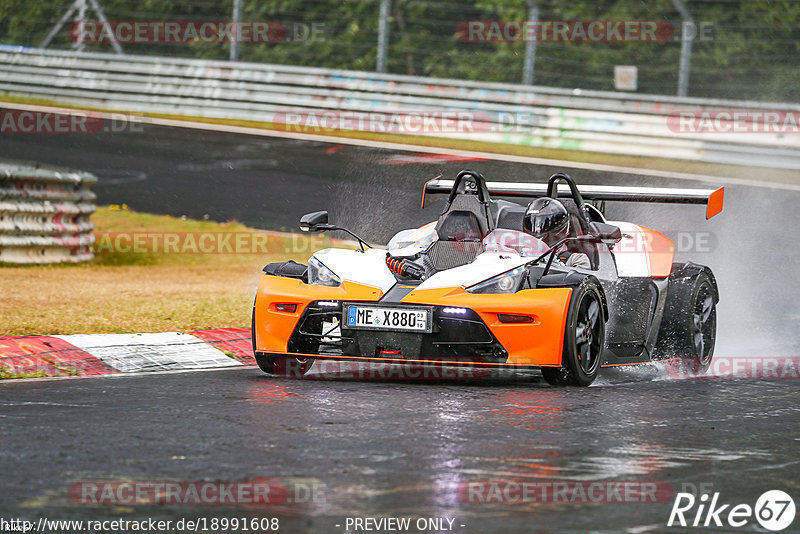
(274,327)
(538,343)
(660,252)
(715,202)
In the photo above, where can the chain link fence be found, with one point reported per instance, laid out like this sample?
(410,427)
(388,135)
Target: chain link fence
(739,49)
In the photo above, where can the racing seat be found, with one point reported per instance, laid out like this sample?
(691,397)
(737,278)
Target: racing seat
(463,224)
(510,216)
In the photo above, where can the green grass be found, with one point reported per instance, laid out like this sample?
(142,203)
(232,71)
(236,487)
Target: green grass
(5,374)
(121,292)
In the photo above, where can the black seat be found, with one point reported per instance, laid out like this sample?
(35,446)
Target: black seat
(463,224)
(460,226)
(510,216)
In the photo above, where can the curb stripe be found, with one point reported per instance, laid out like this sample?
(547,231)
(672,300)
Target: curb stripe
(132,353)
(48,355)
(236,341)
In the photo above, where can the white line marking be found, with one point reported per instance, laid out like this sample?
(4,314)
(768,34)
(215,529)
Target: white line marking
(719,180)
(151,352)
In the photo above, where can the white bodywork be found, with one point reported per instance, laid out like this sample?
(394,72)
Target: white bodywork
(504,250)
(632,252)
(485,266)
(368,268)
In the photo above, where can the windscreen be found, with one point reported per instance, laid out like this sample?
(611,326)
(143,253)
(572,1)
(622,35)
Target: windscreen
(514,242)
(410,242)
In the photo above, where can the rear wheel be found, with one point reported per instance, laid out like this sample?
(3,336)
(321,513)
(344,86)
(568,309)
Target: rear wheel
(689,327)
(584,339)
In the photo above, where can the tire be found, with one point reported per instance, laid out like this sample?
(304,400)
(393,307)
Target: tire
(286,366)
(278,365)
(584,339)
(689,326)
(266,363)
(290,366)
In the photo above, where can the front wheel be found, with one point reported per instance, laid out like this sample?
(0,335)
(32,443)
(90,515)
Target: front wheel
(291,366)
(287,366)
(584,339)
(278,365)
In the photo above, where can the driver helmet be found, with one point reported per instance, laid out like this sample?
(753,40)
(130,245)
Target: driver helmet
(547,219)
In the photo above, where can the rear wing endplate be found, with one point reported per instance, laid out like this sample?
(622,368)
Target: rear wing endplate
(711,198)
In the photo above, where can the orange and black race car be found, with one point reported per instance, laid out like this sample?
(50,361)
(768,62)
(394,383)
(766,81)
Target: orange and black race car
(549,284)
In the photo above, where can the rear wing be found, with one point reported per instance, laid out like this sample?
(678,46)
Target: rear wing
(712,198)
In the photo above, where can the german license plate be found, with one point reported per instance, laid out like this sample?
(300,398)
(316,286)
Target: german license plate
(379,318)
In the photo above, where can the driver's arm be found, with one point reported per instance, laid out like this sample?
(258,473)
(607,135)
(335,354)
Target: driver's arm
(579,260)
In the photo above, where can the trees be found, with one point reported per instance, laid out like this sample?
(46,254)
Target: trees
(751,52)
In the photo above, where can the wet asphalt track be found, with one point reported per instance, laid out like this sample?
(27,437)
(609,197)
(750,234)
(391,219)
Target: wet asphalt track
(270,182)
(396,449)
(393,448)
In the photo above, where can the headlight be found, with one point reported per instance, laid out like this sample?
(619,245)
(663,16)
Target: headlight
(508,282)
(320,275)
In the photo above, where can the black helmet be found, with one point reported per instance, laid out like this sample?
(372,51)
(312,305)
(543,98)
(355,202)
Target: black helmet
(547,219)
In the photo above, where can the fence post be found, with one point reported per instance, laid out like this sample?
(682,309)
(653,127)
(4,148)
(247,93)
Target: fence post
(530,44)
(688,30)
(237,18)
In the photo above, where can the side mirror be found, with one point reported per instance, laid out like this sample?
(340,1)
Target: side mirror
(314,222)
(606,232)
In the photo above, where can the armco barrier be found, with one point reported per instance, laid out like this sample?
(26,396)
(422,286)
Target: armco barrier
(595,121)
(44,215)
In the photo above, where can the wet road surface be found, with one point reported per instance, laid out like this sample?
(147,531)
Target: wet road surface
(389,448)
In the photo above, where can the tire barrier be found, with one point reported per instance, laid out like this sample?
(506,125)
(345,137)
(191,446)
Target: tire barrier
(547,117)
(45,215)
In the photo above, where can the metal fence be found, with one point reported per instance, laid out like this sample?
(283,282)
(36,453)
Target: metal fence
(595,121)
(735,49)
(45,215)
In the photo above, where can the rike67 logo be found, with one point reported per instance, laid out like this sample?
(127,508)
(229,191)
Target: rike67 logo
(774,510)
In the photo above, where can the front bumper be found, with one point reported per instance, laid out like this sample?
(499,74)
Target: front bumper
(478,336)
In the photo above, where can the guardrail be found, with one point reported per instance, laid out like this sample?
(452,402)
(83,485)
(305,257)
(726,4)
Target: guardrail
(595,121)
(45,215)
